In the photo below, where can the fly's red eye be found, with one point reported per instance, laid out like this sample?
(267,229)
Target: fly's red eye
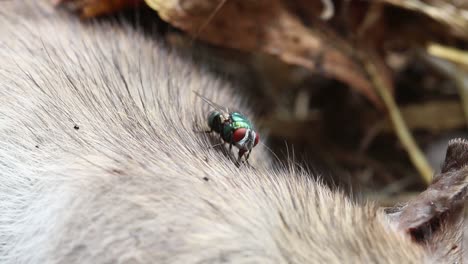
(257,138)
(239,134)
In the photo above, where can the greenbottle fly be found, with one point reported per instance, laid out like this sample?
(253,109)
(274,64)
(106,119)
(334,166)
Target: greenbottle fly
(233,127)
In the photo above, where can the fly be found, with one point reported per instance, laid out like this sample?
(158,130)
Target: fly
(233,127)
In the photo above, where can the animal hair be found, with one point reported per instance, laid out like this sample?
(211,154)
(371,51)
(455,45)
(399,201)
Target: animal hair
(100,161)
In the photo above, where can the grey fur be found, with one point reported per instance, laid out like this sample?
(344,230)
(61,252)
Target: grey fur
(99,162)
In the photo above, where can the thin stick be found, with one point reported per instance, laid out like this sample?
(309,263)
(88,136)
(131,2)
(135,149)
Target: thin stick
(404,135)
(448,53)
(208,20)
(454,65)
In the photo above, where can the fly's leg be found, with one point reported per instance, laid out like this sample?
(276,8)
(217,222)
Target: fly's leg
(238,161)
(230,141)
(248,155)
(217,145)
(241,153)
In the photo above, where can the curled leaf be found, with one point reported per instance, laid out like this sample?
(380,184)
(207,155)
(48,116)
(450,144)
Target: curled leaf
(93,8)
(264,26)
(449,13)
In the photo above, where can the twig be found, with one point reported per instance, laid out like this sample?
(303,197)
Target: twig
(404,135)
(451,67)
(448,53)
(209,19)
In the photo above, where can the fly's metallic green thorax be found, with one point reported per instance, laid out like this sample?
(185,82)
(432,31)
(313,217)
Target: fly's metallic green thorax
(226,123)
(237,120)
(240,121)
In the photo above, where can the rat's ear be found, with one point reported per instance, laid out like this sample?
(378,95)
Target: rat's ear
(435,217)
(457,155)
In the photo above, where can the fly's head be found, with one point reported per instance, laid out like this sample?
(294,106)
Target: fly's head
(245,139)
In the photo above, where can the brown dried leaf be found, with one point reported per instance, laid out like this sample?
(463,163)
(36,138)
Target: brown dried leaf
(450,13)
(93,8)
(263,26)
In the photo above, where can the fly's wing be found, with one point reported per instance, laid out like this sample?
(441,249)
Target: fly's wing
(221,109)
